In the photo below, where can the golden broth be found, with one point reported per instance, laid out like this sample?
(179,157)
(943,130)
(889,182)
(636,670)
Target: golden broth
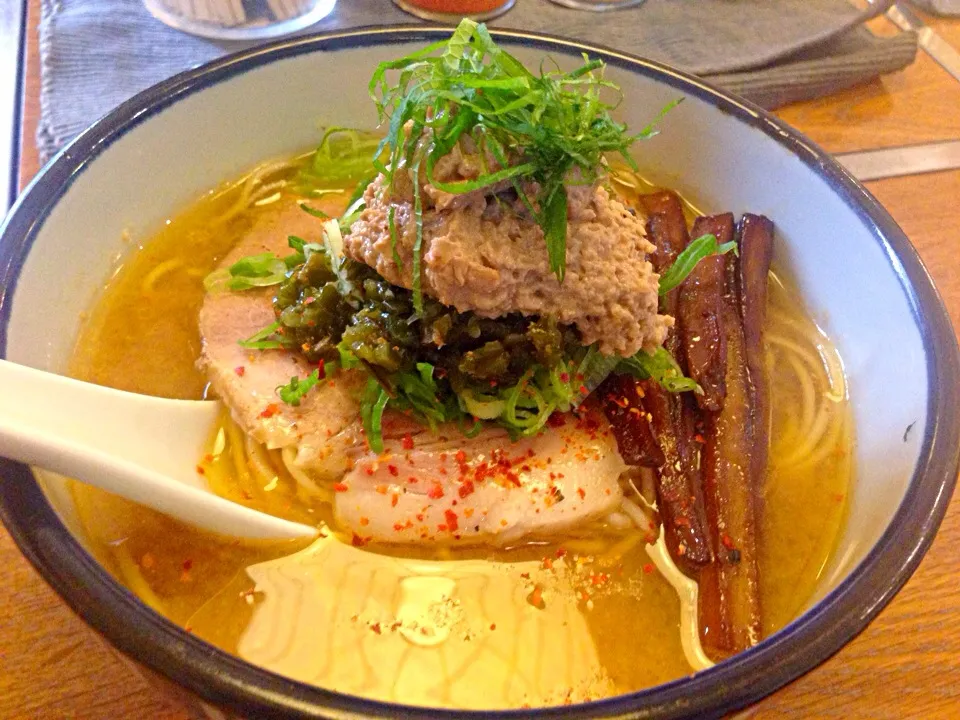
(142,335)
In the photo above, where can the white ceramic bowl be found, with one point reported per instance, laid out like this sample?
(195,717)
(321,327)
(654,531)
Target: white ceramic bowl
(858,273)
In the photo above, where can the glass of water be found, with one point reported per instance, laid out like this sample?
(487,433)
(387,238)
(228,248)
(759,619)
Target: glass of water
(240,19)
(598,5)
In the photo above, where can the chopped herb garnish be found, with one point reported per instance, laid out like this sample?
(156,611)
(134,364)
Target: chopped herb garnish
(392,223)
(342,156)
(704,246)
(417,243)
(250,272)
(660,367)
(292,393)
(317,213)
(263,340)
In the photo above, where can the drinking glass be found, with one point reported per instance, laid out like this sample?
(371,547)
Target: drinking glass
(597,5)
(240,19)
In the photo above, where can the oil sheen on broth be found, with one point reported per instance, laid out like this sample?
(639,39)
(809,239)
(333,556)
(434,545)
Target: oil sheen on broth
(543,623)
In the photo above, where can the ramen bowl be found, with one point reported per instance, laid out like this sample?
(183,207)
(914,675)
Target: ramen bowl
(860,277)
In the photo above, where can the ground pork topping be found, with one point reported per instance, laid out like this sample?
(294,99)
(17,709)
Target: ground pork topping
(482,252)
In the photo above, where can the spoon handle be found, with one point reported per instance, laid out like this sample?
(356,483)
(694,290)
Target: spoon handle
(140,447)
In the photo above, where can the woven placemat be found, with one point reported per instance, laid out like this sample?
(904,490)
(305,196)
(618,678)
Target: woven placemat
(97,53)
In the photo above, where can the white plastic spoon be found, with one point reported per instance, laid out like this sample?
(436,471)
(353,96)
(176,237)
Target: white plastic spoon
(143,448)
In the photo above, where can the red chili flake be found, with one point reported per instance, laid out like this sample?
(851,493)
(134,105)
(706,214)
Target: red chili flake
(565,377)
(451,517)
(560,553)
(493,626)
(420,517)
(546,564)
(412,480)
(322,369)
(382,489)
(393,470)
(358,541)
(407,442)
(727,541)
(436,492)
(369,470)
(364,521)
(310,300)
(394,500)
(648,568)
(582,493)
(187,565)
(270,411)
(466,488)
(461,457)
(698,437)
(376,628)
(535,598)
(200,470)
(340,487)
(208,458)
(397,527)
(583,390)
(240,370)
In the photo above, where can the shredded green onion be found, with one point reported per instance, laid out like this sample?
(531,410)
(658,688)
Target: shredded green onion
(704,246)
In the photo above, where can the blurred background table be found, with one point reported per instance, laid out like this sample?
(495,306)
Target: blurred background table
(906,664)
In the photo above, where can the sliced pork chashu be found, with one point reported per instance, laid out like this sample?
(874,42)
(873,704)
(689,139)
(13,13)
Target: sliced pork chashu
(246,380)
(488,489)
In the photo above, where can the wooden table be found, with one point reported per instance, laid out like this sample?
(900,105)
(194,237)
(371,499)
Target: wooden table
(905,665)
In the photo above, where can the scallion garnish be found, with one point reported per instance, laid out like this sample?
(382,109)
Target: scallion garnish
(263,340)
(660,367)
(704,246)
(292,393)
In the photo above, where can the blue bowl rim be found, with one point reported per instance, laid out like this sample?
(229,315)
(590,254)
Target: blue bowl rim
(225,680)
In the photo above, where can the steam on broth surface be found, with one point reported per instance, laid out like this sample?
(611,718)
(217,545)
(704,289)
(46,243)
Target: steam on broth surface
(574,617)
